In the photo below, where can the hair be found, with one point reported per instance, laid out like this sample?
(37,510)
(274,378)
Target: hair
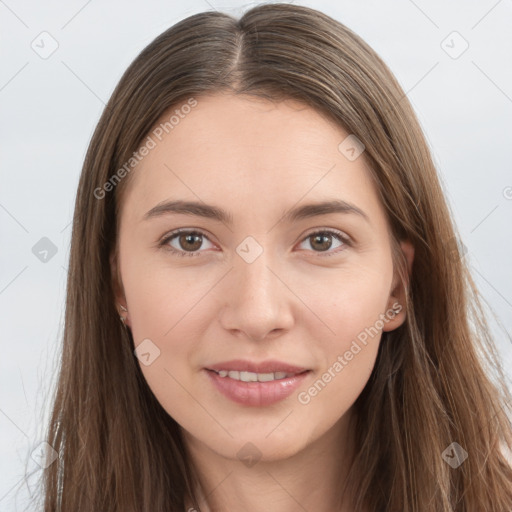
(437,378)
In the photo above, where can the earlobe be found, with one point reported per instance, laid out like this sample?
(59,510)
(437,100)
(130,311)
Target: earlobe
(396,312)
(395,316)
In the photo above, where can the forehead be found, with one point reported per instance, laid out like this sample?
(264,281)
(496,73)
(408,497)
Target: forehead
(247,151)
(246,128)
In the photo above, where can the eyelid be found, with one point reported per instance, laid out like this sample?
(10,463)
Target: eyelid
(164,241)
(336,233)
(343,236)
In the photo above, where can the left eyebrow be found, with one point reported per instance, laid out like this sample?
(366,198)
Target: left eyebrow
(216,213)
(323,208)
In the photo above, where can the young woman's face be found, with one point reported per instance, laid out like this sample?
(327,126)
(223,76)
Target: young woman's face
(296,302)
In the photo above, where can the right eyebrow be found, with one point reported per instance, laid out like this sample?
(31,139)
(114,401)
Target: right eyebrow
(190,208)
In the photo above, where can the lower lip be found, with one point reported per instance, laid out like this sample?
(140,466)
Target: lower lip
(256,394)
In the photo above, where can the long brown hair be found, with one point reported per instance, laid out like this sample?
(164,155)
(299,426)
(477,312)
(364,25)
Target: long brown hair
(431,386)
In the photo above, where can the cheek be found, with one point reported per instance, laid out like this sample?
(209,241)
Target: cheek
(348,356)
(161,298)
(170,309)
(351,307)
(167,313)
(348,300)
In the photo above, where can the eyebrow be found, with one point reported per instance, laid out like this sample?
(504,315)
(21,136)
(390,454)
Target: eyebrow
(212,212)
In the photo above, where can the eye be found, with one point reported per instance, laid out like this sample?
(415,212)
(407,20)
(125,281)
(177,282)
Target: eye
(321,241)
(188,241)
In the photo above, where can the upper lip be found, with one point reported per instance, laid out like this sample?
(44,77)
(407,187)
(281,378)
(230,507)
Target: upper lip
(270,366)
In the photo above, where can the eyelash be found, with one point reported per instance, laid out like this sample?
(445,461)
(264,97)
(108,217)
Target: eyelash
(337,234)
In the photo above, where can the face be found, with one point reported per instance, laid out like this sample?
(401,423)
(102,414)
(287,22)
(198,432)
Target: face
(253,279)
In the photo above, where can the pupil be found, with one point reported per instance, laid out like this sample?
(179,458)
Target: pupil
(190,239)
(326,241)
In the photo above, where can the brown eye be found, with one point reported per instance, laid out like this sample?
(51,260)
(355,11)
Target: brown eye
(185,243)
(190,242)
(322,241)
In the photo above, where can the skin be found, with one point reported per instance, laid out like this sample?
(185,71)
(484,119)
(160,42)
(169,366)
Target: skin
(257,159)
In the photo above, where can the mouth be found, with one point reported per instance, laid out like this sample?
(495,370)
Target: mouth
(264,367)
(255,377)
(256,384)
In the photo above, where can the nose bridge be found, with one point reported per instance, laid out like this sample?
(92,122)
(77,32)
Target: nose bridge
(252,272)
(257,301)
(254,278)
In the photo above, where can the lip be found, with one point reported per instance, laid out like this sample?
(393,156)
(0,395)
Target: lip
(243,365)
(256,394)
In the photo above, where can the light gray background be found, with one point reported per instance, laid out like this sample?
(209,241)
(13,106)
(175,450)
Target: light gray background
(49,108)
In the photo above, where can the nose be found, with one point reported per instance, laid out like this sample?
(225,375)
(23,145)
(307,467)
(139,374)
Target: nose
(258,302)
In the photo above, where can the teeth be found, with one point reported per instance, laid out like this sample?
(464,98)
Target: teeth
(248,377)
(253,377)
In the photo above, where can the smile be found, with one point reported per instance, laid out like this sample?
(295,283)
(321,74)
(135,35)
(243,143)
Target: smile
(256,384)
(253,377)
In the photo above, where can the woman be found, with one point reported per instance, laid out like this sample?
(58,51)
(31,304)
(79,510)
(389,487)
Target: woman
(266,305)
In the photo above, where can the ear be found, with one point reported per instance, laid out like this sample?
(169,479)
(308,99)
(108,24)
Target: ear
(396,311)
(117,286)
